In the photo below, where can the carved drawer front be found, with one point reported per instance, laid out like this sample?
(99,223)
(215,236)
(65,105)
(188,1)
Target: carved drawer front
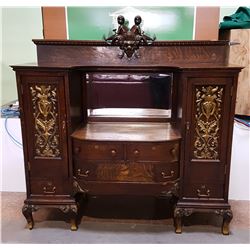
(167,152)
(166,172)
(116,172)
(98,151)
(46,187)
(204,191)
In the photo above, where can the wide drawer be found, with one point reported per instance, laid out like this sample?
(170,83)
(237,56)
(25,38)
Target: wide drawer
(98,150)
(126,171)
(167,151)
(125,188)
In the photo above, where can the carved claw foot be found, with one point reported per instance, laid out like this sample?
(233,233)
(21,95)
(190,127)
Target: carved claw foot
(72,211)
(27,212)
(227,216)
(178,214)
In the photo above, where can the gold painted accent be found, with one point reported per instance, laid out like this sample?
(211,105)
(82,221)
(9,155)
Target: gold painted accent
(73,226)
(207,122)
(44,100)
(30,225)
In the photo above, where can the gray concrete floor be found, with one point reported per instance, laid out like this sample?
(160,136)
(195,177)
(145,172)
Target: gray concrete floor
(52,227)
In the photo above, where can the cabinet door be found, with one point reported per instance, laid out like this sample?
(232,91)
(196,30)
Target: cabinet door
(45,126)
(208,111)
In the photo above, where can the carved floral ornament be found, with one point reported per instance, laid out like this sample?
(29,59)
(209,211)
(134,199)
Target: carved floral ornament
(129,40)
(207,122)
(45,113)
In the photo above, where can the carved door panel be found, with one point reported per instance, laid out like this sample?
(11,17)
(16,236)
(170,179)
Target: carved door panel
(208,110)
(45,125)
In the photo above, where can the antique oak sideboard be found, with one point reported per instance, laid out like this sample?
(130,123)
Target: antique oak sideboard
(85,131)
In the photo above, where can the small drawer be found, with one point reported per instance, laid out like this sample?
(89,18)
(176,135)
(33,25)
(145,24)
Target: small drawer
(166,172)
(46,187)
(203,191)
(167,152)
(98,151)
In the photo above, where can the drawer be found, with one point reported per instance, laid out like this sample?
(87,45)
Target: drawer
(167,151)
(166,172)
(98,150)
(116,172)
(126,172)
(203,191)
(47,187)
(125,188)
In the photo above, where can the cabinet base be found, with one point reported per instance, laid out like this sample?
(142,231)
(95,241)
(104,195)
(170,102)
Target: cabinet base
(180,212)
(71,209)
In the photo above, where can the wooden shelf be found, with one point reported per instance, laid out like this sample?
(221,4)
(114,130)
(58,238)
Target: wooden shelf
(130,131)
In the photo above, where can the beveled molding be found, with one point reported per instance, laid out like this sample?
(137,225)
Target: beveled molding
(156,43)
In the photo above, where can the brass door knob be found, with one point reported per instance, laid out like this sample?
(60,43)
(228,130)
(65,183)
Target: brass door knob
(113,152)
(136,152)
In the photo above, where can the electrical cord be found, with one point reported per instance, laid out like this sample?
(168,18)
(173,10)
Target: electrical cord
(242,124)
(15,141)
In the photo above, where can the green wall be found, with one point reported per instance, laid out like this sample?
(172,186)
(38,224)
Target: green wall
(167,23)
(19,27)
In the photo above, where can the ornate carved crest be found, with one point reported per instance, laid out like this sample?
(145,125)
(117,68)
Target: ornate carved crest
(129,40)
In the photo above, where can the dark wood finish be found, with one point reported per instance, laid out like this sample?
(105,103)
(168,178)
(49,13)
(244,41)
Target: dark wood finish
(185,156)
(171,53)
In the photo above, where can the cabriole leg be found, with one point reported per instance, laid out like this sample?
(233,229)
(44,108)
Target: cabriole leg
(178,214)
(27,212)
(72,211)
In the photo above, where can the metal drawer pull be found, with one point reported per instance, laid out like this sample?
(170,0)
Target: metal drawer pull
(136,152)
(164,176)
(113,152)
(85,174)
(206,193)
(51,191)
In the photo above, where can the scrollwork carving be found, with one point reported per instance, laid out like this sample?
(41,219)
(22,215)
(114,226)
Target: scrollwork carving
(44,100)
(207,122)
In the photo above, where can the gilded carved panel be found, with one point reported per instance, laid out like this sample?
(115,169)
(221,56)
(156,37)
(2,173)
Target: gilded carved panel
(208,103)
(45,113)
